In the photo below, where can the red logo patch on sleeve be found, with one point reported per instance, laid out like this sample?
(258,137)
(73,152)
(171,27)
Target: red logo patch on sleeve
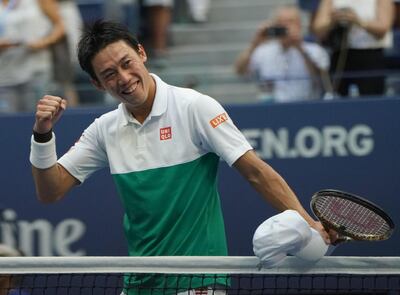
(165,133)
(218,120)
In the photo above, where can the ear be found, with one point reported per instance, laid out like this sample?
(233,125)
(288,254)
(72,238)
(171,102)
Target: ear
(97,84)
(142,53)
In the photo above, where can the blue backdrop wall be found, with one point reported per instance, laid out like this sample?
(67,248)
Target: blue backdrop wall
(348,145)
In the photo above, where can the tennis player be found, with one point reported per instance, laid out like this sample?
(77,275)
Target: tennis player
(162,146)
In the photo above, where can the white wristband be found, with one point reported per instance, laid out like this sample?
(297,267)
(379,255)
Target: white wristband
(43,155)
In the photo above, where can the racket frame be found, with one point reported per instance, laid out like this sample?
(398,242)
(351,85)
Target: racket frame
(343,234)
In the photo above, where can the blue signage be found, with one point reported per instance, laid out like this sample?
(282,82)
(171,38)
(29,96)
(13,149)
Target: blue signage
(349,145)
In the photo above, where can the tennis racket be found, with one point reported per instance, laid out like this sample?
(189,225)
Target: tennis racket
(351,216)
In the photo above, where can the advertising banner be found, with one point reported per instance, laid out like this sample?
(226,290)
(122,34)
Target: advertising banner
(348,145)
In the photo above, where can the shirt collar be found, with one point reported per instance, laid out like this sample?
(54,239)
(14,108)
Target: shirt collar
(159,104)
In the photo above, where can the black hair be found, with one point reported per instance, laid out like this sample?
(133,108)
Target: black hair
(99,35)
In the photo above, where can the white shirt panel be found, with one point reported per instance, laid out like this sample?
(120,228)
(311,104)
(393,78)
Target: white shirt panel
(216,131)
(88,154)
(118,140)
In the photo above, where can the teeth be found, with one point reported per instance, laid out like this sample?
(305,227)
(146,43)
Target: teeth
(131,89)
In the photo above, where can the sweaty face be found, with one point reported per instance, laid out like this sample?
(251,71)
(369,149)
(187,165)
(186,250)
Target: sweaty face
(121,72)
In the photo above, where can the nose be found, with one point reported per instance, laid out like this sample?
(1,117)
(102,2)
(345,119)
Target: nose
(123,77)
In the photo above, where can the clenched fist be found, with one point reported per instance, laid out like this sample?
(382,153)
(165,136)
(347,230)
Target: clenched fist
(48,110)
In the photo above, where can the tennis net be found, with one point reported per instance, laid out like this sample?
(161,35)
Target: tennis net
(197,275)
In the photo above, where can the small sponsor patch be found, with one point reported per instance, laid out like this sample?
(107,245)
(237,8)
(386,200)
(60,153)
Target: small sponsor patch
(218,120)
(165,133)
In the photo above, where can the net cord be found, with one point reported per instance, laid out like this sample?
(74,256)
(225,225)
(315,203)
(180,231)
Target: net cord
(198,264)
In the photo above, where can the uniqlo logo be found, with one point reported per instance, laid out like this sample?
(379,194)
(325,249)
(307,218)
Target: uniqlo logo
(165,133)
(219,120)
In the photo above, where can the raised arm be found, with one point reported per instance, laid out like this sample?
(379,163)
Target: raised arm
(273,187)
(52,181)
(242,61)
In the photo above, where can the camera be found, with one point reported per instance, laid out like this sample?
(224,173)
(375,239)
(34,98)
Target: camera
(276,31)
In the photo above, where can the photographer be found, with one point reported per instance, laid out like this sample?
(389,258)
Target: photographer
(286,67)
(356,32)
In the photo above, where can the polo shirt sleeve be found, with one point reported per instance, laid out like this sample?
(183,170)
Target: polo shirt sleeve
(86,156)
(215,131)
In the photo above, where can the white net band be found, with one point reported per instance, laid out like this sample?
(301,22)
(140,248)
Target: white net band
(198,265)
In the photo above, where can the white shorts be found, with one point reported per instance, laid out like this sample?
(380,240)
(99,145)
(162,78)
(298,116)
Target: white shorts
(208,291)
(203,292)
(168,3)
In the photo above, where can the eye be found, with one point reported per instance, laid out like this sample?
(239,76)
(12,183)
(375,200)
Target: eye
(109,75)
(127,63)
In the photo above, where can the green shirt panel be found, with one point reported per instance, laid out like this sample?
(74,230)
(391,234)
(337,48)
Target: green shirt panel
(173,211)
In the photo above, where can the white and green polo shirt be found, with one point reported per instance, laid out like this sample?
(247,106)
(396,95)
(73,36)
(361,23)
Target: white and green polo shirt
(165,170)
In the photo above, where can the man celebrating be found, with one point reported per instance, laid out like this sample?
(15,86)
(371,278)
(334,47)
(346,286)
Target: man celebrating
(162,146)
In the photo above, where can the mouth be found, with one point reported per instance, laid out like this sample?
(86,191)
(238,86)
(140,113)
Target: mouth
(130,89)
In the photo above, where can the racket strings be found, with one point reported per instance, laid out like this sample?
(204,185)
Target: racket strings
(354,218)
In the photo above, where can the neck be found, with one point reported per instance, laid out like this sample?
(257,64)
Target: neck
(141,115)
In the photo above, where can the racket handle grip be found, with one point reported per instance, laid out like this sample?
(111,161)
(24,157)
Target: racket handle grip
(342,239)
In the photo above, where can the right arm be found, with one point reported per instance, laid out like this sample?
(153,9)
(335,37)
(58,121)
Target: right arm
(51,182)
(274,189)
(323,22)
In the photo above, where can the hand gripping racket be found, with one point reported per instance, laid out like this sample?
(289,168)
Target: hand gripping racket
(351,216)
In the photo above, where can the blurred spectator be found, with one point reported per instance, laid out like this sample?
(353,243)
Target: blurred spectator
(27,30)
(356,32)
(287,68)
(158,17)
(198,10)
(8,283)
(127,11)
(65,62)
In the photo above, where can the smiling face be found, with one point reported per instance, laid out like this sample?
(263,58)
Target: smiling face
(120,71)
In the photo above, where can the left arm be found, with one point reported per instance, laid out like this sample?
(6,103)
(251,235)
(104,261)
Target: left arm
(273,188)
(51,10)
(229,143)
